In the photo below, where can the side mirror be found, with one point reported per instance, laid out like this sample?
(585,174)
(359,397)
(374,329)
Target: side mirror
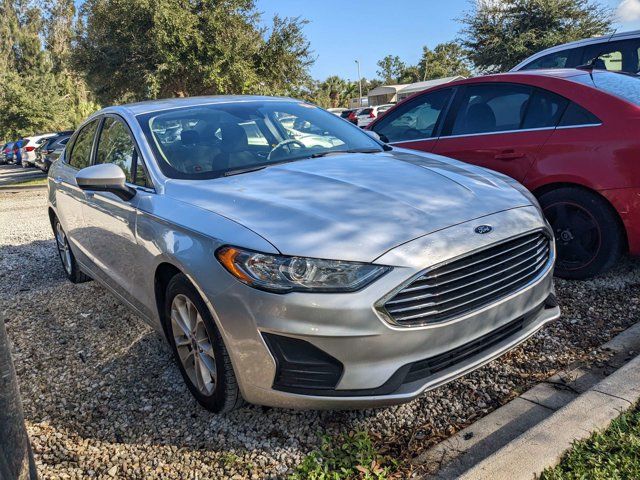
(374,135)
(105,177)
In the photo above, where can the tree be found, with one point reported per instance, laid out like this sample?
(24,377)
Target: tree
(391,69)
(36,97)
(137,49)
(445,60)
(499,34)
(333,92)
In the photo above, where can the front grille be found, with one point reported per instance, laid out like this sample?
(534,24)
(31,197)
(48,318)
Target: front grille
(471,282)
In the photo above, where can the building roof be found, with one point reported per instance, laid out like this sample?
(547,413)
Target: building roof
(419,86)
(385,89)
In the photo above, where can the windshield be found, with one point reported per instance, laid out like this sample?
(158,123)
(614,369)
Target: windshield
(209,141)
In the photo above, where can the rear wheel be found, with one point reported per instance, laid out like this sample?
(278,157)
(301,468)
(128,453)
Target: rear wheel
(69,264)
(588,237)
(199,349)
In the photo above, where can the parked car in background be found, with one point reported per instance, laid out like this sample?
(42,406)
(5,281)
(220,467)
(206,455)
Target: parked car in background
(353,115)
(337,111)
(16,158)
(369,114)
(6,153)
(29,146)
(49,151)
(619,53)
(280,273)
(570,136)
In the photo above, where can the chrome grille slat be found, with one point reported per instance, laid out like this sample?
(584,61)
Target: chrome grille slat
(536,266)
(438,278)
(410,298)
(471,282)
(446,271)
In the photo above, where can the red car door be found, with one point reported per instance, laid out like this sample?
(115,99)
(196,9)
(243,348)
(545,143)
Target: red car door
(501,126)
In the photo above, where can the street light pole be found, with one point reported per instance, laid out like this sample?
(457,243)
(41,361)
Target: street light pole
(359,83)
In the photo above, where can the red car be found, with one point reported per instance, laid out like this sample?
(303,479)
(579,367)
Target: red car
(572,137)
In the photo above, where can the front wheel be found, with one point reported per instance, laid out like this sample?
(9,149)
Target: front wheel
(199,349)
(588,237)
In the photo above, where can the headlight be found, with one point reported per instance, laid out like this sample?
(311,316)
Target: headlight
(280,273)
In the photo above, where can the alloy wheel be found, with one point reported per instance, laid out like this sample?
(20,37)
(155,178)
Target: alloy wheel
(578,236)
(194,345)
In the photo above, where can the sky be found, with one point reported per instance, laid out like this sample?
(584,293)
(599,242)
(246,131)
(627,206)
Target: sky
(342,31)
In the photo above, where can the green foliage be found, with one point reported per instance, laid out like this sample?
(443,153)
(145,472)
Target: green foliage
(351,456)
(445,60)
(138,49)
(609,455)
(500,34)
(391,69)
(37,94)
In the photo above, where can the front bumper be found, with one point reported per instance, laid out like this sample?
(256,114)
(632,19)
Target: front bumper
(377,357)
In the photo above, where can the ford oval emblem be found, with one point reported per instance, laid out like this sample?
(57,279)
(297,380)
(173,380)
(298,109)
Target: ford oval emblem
(482,229)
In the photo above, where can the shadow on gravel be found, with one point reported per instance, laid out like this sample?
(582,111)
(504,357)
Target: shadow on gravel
(29,266)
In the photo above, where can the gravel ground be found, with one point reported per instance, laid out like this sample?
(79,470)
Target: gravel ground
(103,398)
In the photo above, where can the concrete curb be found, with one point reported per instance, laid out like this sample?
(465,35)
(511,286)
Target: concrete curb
(533,431)
(544,445)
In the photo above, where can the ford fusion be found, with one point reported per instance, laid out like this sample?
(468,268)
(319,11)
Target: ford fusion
(293,260)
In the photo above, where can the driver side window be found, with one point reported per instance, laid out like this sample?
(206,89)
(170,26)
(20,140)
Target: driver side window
(415,120)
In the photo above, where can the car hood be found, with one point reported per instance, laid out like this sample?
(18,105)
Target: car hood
(351,206)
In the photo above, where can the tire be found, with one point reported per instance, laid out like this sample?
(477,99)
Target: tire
(589,238)
(216,387)
(69,263)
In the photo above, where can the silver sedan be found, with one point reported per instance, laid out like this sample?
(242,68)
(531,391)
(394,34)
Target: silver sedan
(333,273)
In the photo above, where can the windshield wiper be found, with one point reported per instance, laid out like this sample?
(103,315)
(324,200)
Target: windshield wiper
(340,152)
(243,170)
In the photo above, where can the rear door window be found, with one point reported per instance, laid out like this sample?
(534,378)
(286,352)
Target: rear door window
(487,108)
(81,151)
(620,56)
(543,110)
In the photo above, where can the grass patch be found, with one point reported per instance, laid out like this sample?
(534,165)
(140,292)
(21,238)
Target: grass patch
(611,454)
(32,182)
(345,457)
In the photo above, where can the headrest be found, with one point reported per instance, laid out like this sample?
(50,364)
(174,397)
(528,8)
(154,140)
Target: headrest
(189,137)
(480,118)
(234,137)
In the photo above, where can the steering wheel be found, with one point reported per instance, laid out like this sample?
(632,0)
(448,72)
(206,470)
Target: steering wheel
(285,143)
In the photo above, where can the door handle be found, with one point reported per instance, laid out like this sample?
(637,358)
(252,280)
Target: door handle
(509,155)
(57,180)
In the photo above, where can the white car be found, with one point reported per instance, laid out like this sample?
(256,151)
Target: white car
(369,114)
(29,145)
(616,53)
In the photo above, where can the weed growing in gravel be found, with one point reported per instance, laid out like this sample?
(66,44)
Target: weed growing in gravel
(347,456)
(611,454)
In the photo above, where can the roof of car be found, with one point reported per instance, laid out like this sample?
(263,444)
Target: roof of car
(148,106)
(560,73)
(579,43)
